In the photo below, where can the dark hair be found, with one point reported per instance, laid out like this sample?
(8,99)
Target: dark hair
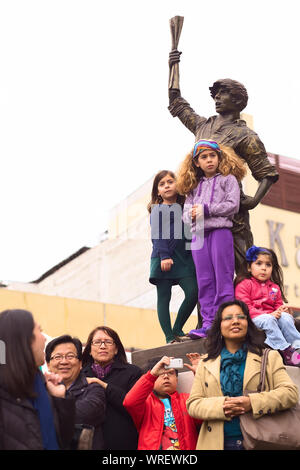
(18,373)
(120,356)
(151,363)
(61,340)
(276,276)
(254,340)
(155,198)
(235,88)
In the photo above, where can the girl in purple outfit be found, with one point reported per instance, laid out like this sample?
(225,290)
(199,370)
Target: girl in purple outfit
(209,176)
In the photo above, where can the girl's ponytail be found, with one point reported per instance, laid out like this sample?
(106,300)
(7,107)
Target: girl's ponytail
(277,274)
(242,274)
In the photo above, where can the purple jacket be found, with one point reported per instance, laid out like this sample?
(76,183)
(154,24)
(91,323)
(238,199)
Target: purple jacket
(220,197)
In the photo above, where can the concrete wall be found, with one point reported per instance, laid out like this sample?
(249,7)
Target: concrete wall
(137,328)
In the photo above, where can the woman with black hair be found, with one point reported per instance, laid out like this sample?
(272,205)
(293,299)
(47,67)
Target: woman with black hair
(104,361)
(231,366)
(34,413)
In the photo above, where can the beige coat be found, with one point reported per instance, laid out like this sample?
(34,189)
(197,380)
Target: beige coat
(206,397)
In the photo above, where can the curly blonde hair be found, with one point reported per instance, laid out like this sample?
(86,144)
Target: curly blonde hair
(188,174)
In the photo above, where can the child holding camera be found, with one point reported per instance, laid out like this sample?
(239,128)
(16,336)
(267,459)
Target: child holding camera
(159,411)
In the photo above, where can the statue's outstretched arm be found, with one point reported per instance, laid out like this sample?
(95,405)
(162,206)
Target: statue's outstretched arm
(178,106)
(250,202)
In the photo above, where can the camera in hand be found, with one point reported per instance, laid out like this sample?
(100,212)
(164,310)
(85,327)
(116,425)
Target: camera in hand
(175,363)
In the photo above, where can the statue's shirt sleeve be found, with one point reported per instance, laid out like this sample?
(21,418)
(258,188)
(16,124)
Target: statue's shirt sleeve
(181,108)
(253,151)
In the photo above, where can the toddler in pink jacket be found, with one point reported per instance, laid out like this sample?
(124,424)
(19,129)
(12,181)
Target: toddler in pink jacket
(260,286)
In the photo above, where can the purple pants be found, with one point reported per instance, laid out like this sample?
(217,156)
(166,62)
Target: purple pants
(214,265)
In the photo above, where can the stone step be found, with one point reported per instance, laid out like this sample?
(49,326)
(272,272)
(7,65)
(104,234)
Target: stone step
(178,350)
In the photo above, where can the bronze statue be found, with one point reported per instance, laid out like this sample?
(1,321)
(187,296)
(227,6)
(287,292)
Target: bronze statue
(228,129)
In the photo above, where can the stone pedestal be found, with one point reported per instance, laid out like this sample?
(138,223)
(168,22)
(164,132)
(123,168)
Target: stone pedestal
(178,350)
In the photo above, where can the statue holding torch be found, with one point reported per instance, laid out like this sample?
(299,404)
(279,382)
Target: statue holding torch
(227,129)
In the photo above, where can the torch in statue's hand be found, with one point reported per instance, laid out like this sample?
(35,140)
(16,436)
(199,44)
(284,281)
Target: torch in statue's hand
(174,58)
(176,26)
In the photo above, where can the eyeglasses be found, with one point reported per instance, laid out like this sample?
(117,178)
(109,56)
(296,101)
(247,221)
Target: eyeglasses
(231,317)
(60,357)
(169,373)
(99,342)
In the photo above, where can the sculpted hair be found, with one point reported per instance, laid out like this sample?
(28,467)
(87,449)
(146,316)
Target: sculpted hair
(235,88)
(276,276)
(155,198)
(62,340)
(189,174)
(120,356)
(18,373)
(254,340)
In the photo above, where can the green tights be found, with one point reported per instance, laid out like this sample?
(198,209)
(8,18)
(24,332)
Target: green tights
(164,290)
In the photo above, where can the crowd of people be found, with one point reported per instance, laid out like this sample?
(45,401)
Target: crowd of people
(239,316)
(92,398)
(209,177)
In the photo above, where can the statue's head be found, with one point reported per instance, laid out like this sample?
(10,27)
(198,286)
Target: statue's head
(236,90)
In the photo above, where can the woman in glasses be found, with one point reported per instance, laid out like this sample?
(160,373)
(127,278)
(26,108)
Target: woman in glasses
(232,365)
(104,361)
(34,411)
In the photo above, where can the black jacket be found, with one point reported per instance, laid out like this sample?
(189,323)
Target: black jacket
(119,430)
(20,425)
(90,406)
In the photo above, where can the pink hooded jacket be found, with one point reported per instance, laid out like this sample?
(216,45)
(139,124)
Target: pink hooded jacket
(260,297)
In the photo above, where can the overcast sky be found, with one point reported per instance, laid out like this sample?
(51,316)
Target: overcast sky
(83,106)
